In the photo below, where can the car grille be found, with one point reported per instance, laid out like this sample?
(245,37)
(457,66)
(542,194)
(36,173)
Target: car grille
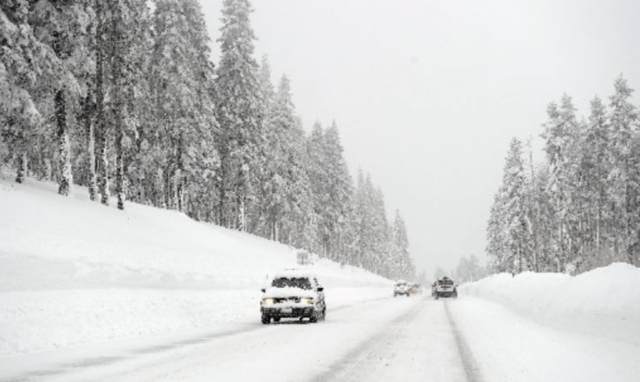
(280,300)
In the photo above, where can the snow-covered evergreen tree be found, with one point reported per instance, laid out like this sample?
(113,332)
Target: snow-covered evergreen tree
(239,111)
(559,134)
(401,264)
(583,203)
(135,98)
(508,231)
(29,69)
(373,233)
(318,180)
(181,138)
(624,177)
(261,225)
(339,191)
(278,133)
(593,171)
(64,26)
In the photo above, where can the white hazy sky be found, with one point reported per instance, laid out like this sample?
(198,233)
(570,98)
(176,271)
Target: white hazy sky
(427,94)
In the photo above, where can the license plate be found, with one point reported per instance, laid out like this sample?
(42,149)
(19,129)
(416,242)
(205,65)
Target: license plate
(286,310)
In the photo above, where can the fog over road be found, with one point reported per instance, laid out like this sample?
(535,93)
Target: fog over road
(395,339)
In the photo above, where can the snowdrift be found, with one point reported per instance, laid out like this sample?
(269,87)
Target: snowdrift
(74,272)
(603,302)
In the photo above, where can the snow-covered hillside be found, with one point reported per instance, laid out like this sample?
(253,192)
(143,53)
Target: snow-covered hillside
(75,272)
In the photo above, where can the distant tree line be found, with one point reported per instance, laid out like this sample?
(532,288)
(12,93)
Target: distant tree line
(124,99)
(469,269)
(580,208)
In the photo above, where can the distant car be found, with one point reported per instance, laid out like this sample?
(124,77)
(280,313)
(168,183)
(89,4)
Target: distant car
(401,288)
(445,287)
(293,294)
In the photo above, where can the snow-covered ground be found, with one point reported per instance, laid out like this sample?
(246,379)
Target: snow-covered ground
(74,272)
(604,302)
(92,293)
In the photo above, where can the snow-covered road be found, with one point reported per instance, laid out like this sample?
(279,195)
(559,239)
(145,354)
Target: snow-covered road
(395,339)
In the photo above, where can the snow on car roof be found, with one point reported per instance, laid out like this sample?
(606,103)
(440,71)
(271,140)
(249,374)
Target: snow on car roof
(294,272)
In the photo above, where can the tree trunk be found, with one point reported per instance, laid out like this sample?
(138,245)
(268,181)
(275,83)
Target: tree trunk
(64,161)
(118,103)
(91,145)
(178,179)
(59,102)
(22,166)
(101,126)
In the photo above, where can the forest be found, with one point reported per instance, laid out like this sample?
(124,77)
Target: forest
(580,208)
(122,97)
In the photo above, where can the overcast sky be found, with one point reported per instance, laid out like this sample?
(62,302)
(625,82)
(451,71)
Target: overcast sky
(427,94)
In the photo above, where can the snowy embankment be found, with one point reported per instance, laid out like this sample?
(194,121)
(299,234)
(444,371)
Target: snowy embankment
(73,272)
(604,302)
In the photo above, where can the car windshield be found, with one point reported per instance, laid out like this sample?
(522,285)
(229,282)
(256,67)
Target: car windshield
(446,282)
(293,282)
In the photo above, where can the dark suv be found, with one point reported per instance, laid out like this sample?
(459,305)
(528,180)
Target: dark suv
(445,287)
(293,294)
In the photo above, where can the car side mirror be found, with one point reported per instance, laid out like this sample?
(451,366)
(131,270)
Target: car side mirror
(263,290)
(320,289)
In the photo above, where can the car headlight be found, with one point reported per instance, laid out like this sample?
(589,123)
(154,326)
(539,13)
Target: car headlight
(267,301)
(307,300)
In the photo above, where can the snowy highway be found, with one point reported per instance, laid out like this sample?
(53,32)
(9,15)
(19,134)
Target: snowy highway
(394,339)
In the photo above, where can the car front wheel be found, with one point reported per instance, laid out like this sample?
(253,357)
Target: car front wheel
(266,319)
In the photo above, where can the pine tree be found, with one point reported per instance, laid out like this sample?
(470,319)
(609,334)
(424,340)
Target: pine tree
(28,68)
(372,230)
(401,264)
(624,178)
(583,205)
(339,190)
(318,181)
(560,134)
(278,136)
(181,140)
(263,224)
(297,224)
(508,231)
(239,112)
(382,234)
(61,24)
(593,173)
(136,109)
(497,248)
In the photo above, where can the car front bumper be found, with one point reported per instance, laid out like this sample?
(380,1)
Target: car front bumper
(288,311)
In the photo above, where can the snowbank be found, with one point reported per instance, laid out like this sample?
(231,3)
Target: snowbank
(74,272)
(603,302)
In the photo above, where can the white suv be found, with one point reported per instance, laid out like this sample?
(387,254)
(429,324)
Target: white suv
(401,288)
(445,287)
(293,294)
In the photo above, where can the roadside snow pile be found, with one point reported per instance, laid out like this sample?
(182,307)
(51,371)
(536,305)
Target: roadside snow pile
(74,272)
(603,302)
